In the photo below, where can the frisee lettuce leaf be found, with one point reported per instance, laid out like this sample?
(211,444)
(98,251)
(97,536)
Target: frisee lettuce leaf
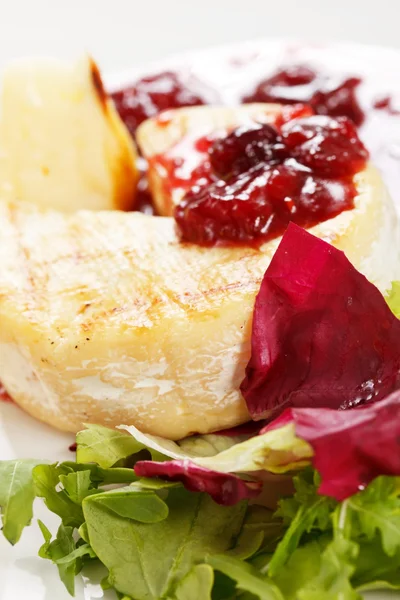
(333,580)
(313,512)
(277,451)
(393,298)
(377,510)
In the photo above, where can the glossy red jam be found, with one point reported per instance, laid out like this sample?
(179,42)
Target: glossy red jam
(243,149)
(327,95)
(267,178)
(151,95)
(185,166)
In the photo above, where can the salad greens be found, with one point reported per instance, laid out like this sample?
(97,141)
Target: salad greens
(158,540)
(16,496)
(189,520)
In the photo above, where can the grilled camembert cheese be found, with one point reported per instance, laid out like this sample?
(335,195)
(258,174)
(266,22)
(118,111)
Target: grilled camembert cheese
(106,317)
(62,143)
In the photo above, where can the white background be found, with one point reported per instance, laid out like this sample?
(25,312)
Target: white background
(122,33)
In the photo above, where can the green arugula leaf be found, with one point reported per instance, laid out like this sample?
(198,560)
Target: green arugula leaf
(61,547)
(43,550)
(104,446)
(147,561)
(260,531)
(79,552)
(46,480)
(98,475)
(16,496)
(247,578)
(393,298)
(63,551)
(134,503)
(154,484)
(377,508)
(248,544)
(78,485)
(196,585)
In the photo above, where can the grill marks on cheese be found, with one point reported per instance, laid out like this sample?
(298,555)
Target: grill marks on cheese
(106,317)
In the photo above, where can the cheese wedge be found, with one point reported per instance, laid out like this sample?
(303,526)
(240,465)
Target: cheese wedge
(62,143)
(105,317)
(173,136)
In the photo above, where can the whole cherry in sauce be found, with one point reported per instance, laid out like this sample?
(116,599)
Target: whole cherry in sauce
(304,174)
(151,95)
(242,149)
(334,96)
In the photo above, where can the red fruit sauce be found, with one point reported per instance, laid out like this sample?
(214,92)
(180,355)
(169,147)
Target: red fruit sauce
(185,166)
(4,397)
(188,164)
(327,95)
(266,177)
(151,95)
(386,103)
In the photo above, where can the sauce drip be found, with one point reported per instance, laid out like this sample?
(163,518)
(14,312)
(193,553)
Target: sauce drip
(386,103)
(265,177)
(185,166)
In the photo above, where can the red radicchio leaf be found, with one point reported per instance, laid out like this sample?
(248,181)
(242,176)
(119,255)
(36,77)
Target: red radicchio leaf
(323,335)
(351,448)
(224,488)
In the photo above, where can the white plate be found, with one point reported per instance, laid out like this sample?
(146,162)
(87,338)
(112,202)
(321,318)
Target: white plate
(22,573)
